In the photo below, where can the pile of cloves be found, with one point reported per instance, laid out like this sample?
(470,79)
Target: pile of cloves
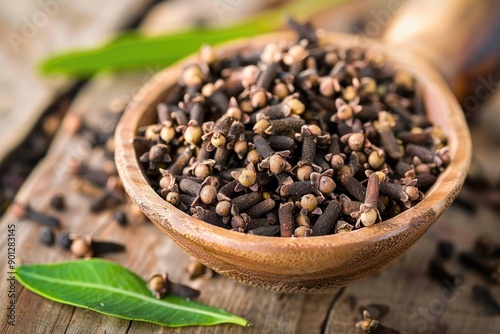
(298,139)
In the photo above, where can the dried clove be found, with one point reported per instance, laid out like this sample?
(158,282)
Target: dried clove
(208,216)
(228,190)
(342,226)
(437,271)
(95,176)
(403,193)
(86,246)
(305,165)
(303,232)
(486,246)
(157,284)
(63,240)
(265,231)
(371,325)
(240,222)
(246,179)
(196,270)
(298,188)
(57,202)
(368,213)
(204,192)
(160,285)
(24,211)
(287,224)
(477,263)
(261,208)
(244,202)
(111,197)
(274,162)
(358,191)
(483,297)
(46,235)
(384,127)
(325,223)
(121,218)
(81,247)
(424,154)
(282,143)
(180,162)
(445,249)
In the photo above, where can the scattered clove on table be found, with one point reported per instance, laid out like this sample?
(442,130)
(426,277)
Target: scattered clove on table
(445,249)
(86,246)
(121,218)
(63,240)
(24,211)
(437,271)
(58,202)
(196,269)
(483,297)
(483,266)
(46,235)
(371,325)
(160,285)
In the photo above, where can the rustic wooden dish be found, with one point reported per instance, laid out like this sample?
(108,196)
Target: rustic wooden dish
(298,264)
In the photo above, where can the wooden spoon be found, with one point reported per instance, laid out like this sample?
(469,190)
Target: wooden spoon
(299,264)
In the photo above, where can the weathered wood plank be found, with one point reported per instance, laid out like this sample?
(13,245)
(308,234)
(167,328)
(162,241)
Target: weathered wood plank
(32,30)
(417,303)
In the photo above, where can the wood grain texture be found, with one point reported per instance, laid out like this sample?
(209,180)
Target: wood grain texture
(417,303)
(31,31)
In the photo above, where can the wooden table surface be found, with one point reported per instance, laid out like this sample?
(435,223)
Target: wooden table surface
(417,303)
(32,31)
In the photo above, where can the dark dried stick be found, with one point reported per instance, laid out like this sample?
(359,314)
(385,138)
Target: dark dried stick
(325,223)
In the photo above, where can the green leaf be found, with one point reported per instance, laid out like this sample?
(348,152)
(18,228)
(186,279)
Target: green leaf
(109,288)
(134,51)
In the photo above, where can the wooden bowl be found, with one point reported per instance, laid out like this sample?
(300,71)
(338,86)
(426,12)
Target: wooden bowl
(298,264)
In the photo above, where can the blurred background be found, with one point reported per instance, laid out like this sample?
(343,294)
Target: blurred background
(63,69)
(459,36)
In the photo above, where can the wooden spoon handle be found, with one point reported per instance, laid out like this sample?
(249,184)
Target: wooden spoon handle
(459,37)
